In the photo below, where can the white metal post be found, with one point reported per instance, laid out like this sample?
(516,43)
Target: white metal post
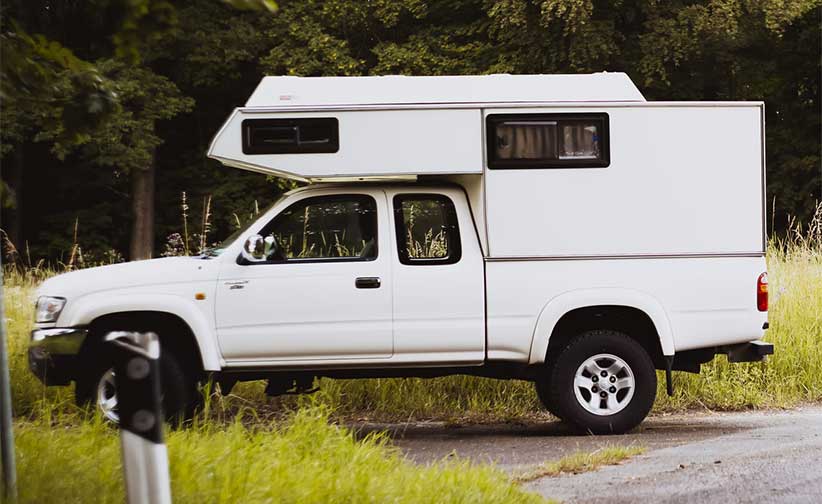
(6,433)
(137,378)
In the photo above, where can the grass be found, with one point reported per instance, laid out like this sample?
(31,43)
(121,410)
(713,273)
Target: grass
(237,450)
(581,462)
(250,448)
(303,459)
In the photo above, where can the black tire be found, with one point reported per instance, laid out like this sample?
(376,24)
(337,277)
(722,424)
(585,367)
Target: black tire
(543,389)
(180,394)
(589,344)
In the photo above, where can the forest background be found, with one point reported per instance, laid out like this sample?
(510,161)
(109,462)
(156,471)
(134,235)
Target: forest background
(107,107)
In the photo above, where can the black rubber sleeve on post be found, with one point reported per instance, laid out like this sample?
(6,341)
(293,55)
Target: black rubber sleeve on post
(139,403)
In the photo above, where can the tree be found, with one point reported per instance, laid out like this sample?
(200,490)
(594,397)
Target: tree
(154,57)
(128,141)
(67,99)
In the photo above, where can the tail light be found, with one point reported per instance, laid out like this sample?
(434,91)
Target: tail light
(762,292)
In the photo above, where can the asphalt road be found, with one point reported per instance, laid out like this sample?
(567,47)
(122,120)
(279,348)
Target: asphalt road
(770,456)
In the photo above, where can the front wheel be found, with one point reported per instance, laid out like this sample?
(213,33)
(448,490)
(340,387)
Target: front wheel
(603,382)
(97,387)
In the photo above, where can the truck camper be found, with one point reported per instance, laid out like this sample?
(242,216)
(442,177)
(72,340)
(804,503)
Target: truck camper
(553,228)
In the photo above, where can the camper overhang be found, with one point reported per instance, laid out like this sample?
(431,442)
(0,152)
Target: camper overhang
(394,127)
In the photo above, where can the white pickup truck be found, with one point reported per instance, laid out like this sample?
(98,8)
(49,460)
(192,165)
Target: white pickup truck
(557,229)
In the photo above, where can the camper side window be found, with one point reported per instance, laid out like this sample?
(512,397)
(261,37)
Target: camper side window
(548,141)
(427,229)
(309,135)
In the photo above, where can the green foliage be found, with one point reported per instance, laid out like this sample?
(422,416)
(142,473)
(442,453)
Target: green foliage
(253,5)
(143,23)
(302,459)
(310,38)
(44,84)
(128,140)
(59,81)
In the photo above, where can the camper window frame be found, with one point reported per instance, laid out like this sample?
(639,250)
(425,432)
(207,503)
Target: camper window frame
(331,147)
(600,119)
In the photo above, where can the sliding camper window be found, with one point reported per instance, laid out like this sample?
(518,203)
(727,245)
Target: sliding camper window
(291,136)
(547,140)
(427,229)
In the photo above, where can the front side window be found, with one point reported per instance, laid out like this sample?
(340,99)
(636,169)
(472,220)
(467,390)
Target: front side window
(338,227)
(548,141)
(427,229)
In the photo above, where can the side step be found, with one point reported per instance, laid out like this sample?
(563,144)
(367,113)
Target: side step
(290,386)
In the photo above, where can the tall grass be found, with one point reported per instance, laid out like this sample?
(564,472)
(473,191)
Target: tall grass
(246,447)
(303,459)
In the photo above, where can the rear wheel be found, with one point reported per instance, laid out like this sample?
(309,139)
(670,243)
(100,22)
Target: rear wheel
(603,382)
(544,394)
(97,386)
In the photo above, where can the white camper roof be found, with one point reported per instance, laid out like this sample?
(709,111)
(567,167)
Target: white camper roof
(392,126)
(399,89)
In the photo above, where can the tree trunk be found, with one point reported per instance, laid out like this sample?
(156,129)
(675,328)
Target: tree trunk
(142,206)
(15,229)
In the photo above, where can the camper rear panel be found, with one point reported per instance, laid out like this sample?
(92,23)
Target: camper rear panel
(680,179)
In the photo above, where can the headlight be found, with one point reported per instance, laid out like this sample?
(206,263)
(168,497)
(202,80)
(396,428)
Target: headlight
(48,309)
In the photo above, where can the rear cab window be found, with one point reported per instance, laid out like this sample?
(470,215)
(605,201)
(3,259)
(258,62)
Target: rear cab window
(427,229)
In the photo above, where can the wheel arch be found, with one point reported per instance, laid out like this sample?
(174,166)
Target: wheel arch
(164,314)
(637,314)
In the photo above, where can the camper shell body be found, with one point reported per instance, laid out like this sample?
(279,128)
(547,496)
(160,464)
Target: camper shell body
(573,215)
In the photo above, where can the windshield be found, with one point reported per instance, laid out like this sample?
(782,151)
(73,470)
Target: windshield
(218,248)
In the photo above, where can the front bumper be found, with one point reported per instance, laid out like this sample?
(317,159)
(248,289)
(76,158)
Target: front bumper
(53,353)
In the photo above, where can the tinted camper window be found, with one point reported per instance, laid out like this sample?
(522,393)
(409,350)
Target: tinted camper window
(291,136)
(548,141)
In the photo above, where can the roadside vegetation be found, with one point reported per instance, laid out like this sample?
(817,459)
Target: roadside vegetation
(301,459)
(246,447)
(581,462)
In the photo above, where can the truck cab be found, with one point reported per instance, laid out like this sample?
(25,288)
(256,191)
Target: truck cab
(555,229)
(347,273)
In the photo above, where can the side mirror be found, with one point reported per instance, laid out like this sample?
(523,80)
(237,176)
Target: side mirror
(254,249)
(272,248)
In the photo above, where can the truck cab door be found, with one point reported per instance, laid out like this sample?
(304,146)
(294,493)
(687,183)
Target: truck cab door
(323,294)
(439,278)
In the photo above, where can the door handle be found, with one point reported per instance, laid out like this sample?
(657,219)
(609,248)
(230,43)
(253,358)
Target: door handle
(367,283)
(239,284)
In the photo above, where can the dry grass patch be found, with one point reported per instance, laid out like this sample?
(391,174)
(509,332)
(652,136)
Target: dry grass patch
(581,462)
